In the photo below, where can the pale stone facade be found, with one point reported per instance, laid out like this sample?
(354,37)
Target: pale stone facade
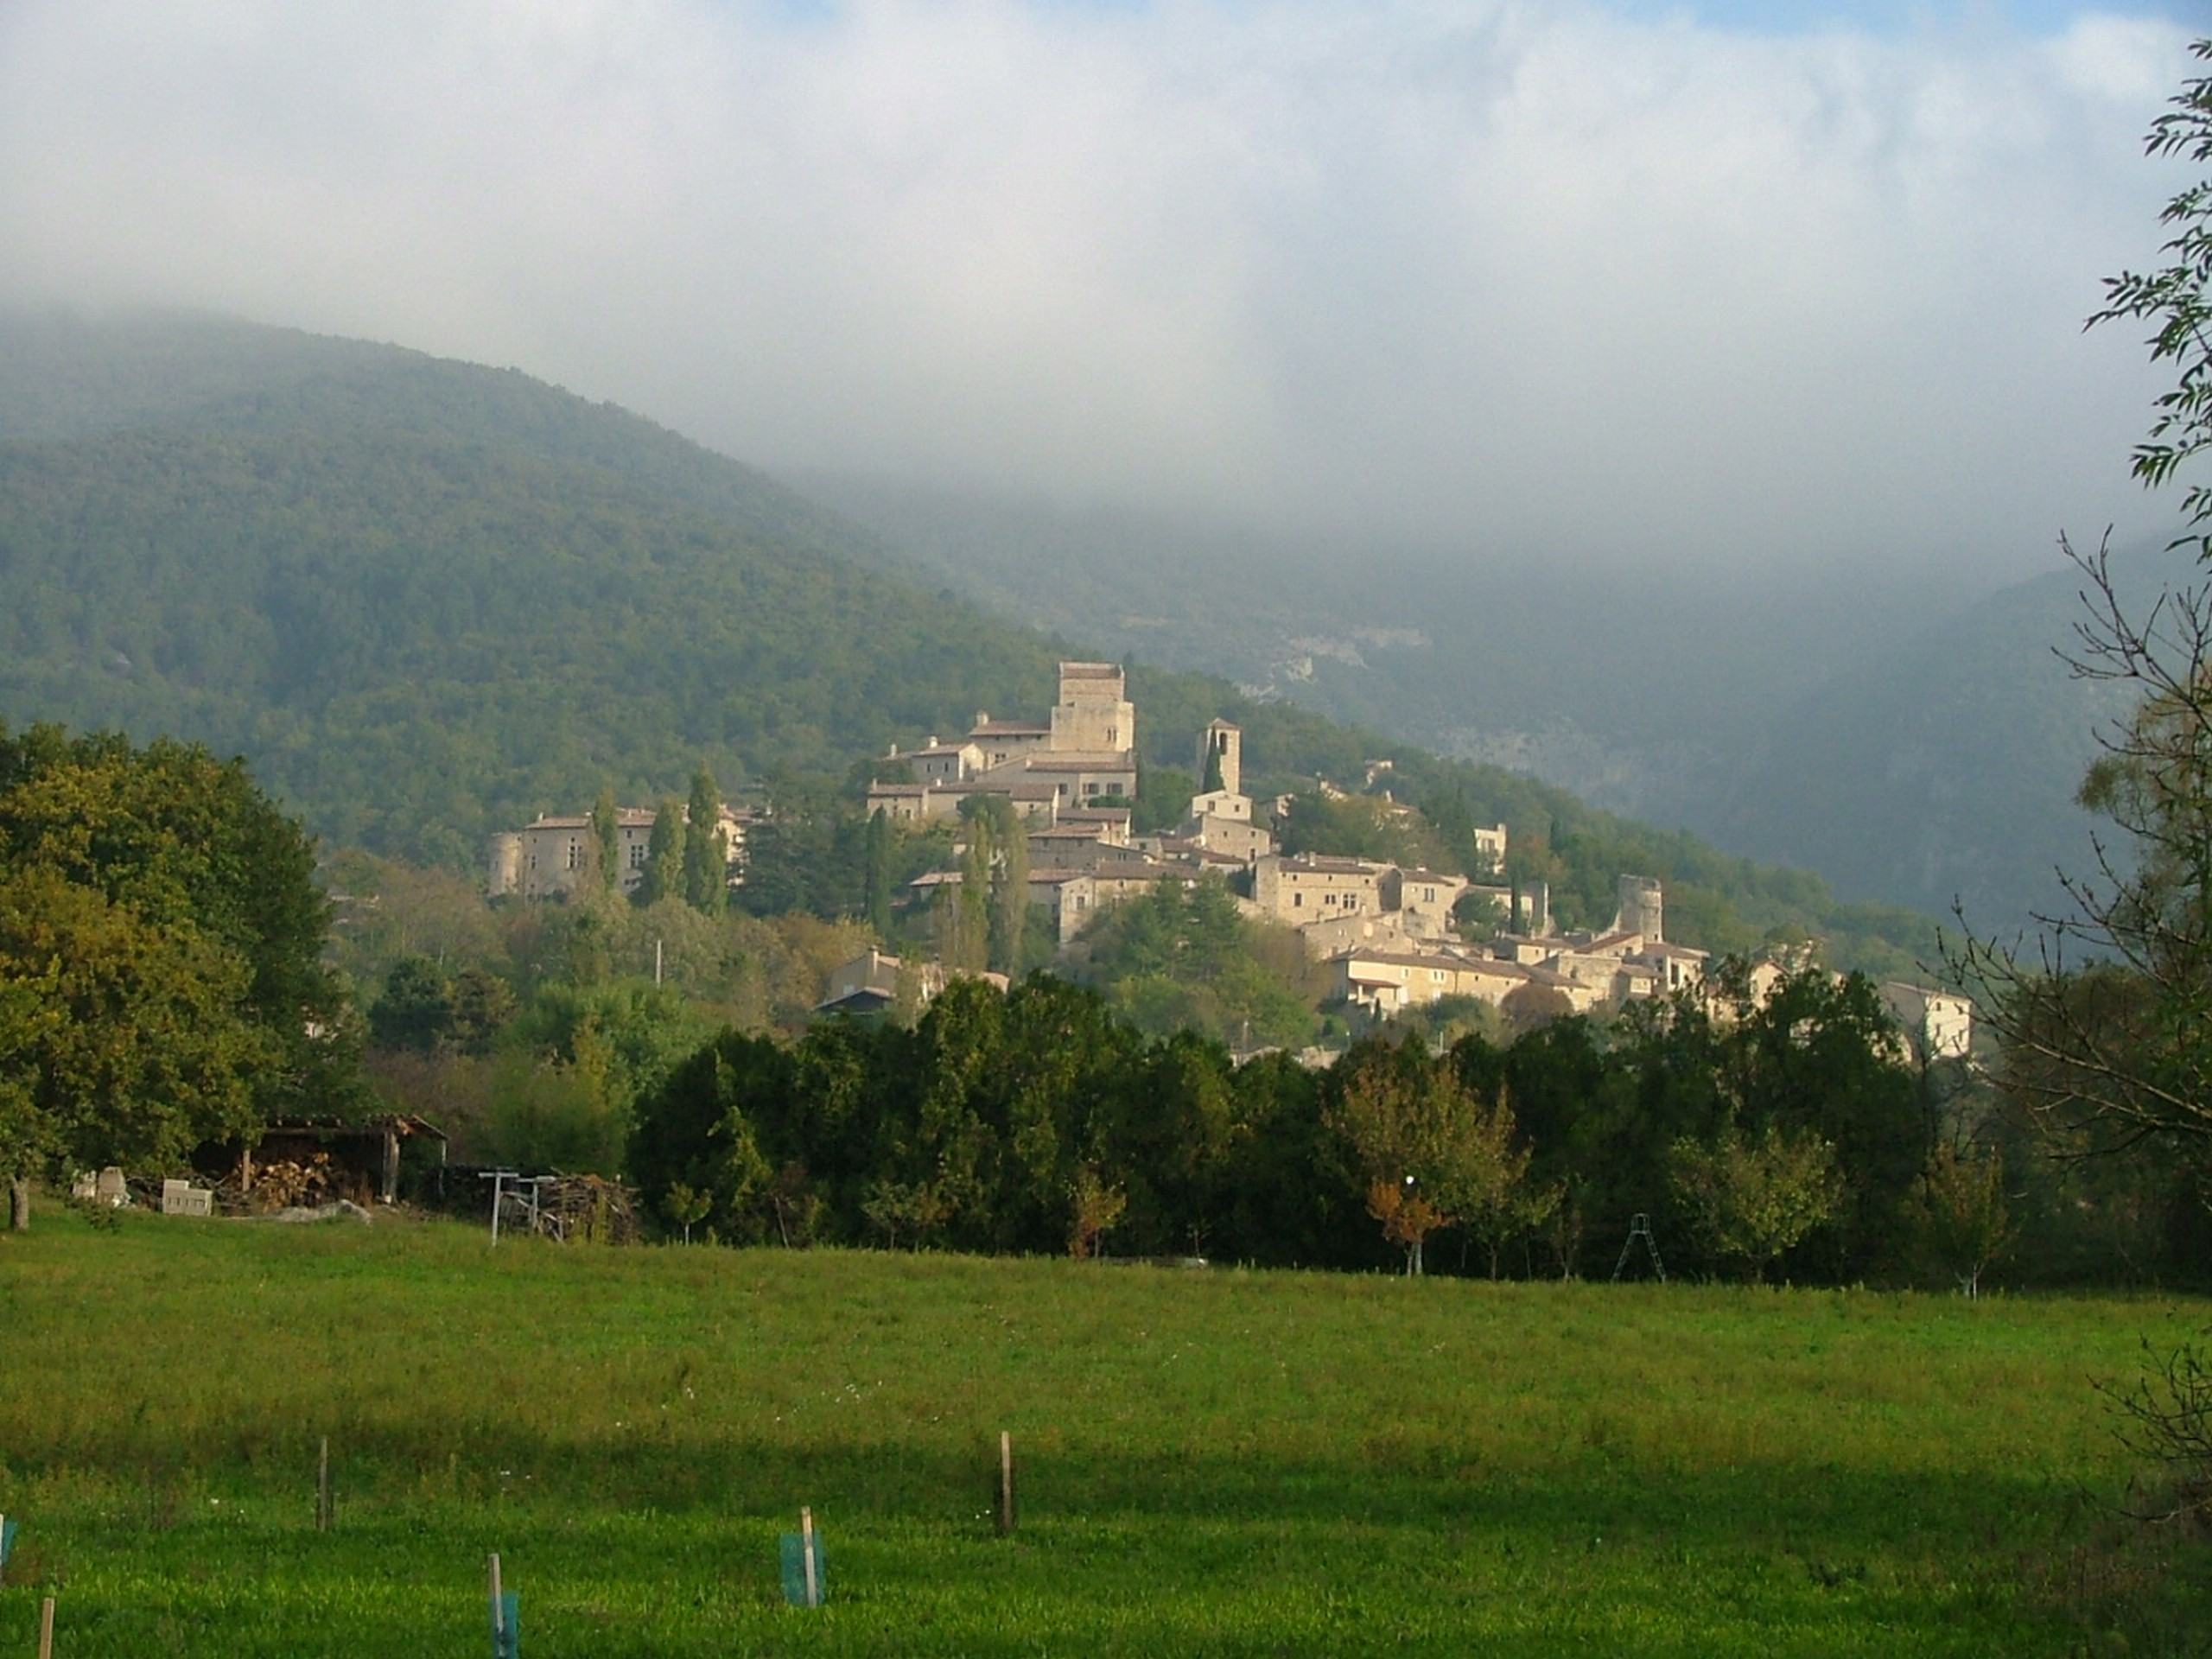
(1220,818)
(553,857)
(1937,1024)
(871,983)
(1425,899)
(1302,890)
(1591,971)
(1094,714)
(1087,754)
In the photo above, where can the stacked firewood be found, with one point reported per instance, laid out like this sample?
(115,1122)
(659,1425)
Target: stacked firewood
(288,1184)
(586,1210)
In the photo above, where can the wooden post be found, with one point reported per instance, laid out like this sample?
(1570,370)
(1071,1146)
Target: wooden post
(46,1629)
(806,1554)
(322,1488)
(4,1549)
(1005,1483)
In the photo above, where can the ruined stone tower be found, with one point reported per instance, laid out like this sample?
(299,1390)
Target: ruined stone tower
(1642,909)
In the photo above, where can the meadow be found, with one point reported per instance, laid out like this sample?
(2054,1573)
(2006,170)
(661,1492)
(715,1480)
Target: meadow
(1210,1461)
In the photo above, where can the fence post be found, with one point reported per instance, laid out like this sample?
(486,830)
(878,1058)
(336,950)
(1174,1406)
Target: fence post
(806,1554)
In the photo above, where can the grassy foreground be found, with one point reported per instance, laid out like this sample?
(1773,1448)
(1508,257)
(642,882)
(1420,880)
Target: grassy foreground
(1210,1462)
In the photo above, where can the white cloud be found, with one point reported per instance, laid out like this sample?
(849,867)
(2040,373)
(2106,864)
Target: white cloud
(1475,275)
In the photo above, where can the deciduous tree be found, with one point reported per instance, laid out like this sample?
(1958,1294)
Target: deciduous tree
(1964,1220)
(1755,1196)
(163,921)
(1429,1152)
(2177,297)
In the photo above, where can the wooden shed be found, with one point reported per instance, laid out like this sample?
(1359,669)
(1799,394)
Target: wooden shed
(365,1155)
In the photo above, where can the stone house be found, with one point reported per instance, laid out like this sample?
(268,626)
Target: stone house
(871,981)
(552,856)
(1308,888)
(1424,899)
(1937,1024)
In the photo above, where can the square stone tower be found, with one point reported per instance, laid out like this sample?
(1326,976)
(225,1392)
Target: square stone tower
(1094,715)
(1221,759)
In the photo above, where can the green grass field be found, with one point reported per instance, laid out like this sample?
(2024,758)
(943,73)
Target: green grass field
(1210,1462)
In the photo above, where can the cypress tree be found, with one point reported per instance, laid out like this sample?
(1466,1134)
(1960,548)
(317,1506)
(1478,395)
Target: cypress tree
(706,849)
(606,840)
(665,864)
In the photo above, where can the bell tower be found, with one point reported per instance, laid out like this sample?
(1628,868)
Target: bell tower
(1221,759)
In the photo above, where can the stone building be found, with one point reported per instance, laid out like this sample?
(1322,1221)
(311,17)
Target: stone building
(1220,818)
(553,857)
(1300,890)
(1937,1024)
(1083,756)
(1629,961)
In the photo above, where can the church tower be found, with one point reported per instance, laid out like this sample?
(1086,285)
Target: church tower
(1221,759)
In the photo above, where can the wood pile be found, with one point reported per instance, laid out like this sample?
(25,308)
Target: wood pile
(584,1210)
(286,1184)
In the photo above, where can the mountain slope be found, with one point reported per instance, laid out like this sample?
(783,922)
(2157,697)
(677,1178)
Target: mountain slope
(417,638)
(1945,768)
(426,600)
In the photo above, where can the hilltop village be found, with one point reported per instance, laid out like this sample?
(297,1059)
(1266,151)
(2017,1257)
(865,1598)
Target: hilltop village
(1392,937)
(1387,931)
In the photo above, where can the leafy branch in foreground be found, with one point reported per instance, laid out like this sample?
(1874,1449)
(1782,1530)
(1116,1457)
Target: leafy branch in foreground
(2175,296)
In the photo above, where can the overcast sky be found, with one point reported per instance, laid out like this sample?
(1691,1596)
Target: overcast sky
(1667,282)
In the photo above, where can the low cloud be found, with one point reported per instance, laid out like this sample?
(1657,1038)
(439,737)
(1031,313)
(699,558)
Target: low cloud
(1470,280)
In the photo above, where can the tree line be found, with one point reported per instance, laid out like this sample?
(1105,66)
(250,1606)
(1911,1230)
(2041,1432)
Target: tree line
(1791,1135)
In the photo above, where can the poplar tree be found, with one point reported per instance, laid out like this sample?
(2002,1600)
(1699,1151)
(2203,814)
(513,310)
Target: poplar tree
(1010,898)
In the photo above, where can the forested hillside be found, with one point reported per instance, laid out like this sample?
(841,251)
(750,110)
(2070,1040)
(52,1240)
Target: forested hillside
(426,600)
